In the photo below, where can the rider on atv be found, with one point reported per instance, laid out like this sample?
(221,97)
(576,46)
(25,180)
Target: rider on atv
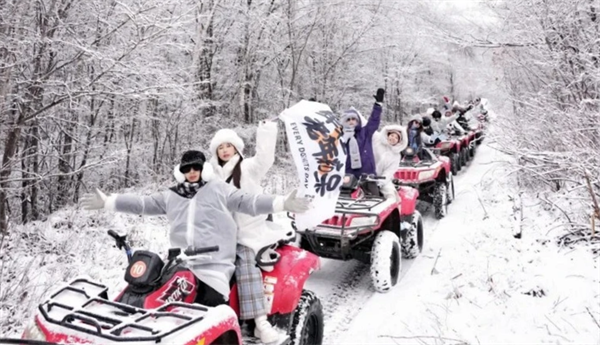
(439,123)
(463,121)
(417,137)
(254,233)
(358,139)
(199,211)
(387,145)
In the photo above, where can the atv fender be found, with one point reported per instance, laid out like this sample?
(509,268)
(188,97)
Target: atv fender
(446,164)
(409,197)
(284,285)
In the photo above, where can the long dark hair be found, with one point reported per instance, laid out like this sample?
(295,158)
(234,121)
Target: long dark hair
(236,174)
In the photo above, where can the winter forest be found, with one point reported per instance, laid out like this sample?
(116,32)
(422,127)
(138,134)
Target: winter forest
(108,94)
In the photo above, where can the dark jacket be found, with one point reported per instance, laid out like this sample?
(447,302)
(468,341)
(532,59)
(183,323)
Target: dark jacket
(364,137)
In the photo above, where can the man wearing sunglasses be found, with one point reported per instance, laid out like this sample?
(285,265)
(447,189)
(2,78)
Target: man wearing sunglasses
(199,211)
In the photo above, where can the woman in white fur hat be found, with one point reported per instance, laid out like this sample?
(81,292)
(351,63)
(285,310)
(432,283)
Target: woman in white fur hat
(254,234)
(387,145)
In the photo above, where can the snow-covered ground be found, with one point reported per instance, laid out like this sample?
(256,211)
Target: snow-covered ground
(474,282)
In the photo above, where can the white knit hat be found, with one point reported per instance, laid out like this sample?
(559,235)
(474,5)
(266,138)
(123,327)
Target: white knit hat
(227,136)
(416,117)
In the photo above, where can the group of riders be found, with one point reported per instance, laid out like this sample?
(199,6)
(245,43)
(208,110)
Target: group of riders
(220,201)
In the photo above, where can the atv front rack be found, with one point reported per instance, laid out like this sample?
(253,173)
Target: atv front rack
(366,212)
(83,306)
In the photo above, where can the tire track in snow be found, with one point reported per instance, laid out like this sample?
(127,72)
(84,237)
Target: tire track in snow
(342,287)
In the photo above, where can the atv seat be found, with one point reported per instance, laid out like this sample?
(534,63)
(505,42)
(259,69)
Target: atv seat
(351,184)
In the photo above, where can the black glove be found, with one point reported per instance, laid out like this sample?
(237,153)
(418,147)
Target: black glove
(437,141)
(379,95)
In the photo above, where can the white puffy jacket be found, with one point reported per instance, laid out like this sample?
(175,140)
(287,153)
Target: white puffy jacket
(387,157)
(440,125)
(254,232)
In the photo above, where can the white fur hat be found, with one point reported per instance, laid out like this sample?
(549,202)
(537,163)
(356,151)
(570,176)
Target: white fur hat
(227,136)
(402,133)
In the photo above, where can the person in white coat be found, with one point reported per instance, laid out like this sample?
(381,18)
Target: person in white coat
(387,145)
(245,173)
(440,123)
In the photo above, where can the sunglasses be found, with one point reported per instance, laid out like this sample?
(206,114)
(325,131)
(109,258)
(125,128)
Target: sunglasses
(186,169)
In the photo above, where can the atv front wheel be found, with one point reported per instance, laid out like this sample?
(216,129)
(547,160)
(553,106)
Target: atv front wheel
(450,189)
(386,263)
(307,323)
(440,202)
(412,242)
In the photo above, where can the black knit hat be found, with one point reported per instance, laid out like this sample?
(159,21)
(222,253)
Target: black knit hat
(436,114)
(426,122)
(192,158)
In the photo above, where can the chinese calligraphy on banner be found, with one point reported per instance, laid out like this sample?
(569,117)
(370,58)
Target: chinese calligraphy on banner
(314,135)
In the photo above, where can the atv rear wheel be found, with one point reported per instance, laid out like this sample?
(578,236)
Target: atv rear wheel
(440,201)
(307,323)
(463,156)
(450,189)
(454,164)
(386,263)
(412,241)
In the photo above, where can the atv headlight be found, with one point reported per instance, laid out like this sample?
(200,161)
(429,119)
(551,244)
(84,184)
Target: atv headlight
(426,175)
(364,221)
(33,332)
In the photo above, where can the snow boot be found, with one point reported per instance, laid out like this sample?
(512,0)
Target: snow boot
(265,331)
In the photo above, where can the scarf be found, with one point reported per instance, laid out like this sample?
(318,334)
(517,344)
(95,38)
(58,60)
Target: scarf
(224,172)
(188,190)
(353,148)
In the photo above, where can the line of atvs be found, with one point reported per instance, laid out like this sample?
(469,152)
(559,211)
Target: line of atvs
(157,304)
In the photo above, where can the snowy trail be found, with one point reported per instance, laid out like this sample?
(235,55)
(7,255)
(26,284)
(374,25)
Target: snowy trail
(345,287)
(439,236)
(479,290)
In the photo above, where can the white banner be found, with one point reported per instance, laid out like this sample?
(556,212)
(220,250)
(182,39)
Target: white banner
(314,134)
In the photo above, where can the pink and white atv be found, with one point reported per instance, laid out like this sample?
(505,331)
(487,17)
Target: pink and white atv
(158,305)
(369,228)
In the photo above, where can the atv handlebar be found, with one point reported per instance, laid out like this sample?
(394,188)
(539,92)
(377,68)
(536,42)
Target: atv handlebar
(121,242)
(371,177)
(190,251)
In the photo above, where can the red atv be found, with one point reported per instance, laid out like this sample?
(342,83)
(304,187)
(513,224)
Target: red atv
(369,228)
(452,148)
(432,176)
(466,148)
(158,305)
